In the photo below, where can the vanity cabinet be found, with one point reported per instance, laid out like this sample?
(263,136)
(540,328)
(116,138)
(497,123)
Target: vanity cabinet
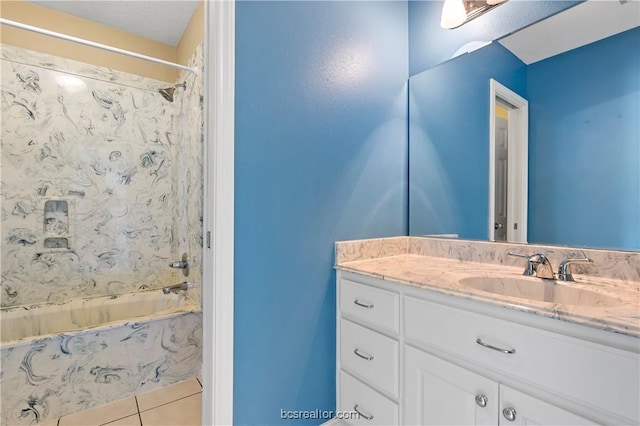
(408,355)
(368,353)
(441,393)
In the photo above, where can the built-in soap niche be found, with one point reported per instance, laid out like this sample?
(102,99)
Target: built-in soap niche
(56,224)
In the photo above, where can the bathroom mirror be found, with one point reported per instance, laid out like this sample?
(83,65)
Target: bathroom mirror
(583,157)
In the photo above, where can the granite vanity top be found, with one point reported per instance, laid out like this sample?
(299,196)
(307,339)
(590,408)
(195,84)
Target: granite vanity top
(439,265)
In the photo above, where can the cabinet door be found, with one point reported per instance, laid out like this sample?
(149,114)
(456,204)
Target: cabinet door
(440,393)
(517,408)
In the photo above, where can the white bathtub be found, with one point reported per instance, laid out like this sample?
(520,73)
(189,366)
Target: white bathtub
(41,320)
(59,359)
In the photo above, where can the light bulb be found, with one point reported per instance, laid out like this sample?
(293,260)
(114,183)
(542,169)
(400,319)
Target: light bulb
(453,14)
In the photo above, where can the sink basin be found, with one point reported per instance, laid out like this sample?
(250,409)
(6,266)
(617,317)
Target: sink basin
(547,291)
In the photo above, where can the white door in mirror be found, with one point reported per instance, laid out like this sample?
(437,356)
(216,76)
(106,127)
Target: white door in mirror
(508,164)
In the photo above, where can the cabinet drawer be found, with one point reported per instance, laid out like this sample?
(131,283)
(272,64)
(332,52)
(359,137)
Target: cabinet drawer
(374,408)
(370,355)
(597,375)
(370,305)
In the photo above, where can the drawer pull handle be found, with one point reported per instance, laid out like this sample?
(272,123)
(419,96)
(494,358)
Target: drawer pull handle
(361,414)
(364,305)
(367,357)
(509,414)
(482,400)
(495,348)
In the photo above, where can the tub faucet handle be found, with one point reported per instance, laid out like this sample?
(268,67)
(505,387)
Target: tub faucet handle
(182,264)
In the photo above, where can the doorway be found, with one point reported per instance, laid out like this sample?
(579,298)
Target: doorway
(508,164)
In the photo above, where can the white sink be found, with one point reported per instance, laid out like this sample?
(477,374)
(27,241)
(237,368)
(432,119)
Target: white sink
(548,291)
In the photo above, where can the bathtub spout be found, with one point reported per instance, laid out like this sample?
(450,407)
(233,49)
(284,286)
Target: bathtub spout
(176,288)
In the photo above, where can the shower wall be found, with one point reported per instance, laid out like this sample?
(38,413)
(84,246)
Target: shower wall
(88,180)
(188,129)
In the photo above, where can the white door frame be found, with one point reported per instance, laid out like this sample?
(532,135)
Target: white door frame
(518,162)
(218,170)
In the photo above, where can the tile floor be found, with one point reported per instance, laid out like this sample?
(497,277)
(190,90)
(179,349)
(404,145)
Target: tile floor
(179,404)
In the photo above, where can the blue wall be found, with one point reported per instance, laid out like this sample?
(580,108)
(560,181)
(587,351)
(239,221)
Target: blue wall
(321,154)
(449,134)
(430,45)
(584,178)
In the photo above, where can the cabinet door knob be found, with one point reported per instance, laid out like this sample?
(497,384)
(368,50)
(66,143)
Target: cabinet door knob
(509,413)
(482,400)
(361,414)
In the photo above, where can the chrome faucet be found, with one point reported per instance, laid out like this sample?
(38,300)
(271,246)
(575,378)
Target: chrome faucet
(564,270)
(176,288)
(537,265)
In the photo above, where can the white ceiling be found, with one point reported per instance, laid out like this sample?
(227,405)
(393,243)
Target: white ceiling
(163,21)
(578,26)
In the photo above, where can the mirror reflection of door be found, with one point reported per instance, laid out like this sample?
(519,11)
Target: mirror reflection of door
(501,171)
(508,164)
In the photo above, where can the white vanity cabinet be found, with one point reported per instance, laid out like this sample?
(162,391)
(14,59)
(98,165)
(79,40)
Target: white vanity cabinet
(441,393)
(443,359)
(368,353)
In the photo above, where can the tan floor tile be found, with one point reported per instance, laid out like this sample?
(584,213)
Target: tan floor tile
(183,412)
(103,414)
(127,421)
(52,422)
(149,400)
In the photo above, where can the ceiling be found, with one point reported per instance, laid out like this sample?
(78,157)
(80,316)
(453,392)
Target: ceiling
(163,21)
(578,26)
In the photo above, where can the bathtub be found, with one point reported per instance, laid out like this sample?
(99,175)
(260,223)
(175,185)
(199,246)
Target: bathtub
(60,359)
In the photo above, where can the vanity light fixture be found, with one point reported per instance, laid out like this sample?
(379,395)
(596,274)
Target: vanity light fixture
(458,12)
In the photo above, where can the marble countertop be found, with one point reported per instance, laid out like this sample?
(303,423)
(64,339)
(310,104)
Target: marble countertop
(443,275)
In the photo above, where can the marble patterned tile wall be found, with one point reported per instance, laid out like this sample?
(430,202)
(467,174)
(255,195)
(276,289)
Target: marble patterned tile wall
(188,130)
(100,144)
(63,374)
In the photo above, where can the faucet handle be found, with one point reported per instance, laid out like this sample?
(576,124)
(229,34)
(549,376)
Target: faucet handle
(531,270)
(514,254)
(182,264)
(533,258)
(564,270)
(537,264)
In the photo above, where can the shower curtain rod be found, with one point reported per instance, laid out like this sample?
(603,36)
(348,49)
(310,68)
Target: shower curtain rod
(22,26)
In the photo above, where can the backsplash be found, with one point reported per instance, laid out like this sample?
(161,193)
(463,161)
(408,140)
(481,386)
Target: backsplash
(88,188)
(615,264)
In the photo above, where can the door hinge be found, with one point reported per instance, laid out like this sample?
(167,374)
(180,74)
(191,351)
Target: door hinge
(208,239)
(515,226)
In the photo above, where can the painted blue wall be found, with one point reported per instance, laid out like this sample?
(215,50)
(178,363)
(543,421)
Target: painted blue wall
(321,155)
(449,141)
(430,45)
(584,178)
